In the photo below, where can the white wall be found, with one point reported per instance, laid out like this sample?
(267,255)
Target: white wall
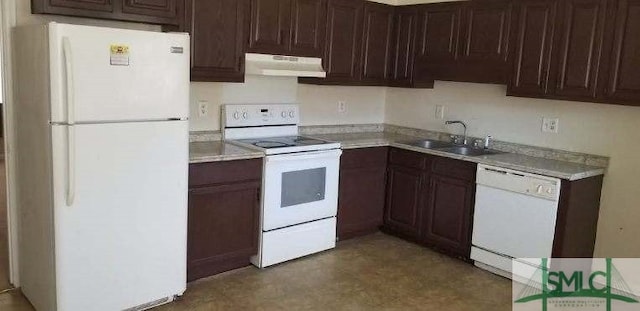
(318,104)
(608,130)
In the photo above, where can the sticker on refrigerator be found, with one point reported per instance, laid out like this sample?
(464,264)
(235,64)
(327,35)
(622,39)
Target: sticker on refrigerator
(119,55)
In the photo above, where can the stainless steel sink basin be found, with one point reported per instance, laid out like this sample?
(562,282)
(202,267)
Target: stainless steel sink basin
(468,151)
(430,144)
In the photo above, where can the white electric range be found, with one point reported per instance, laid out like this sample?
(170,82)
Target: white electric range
(299,183)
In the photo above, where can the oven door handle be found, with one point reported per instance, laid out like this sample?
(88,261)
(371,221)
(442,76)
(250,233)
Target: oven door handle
(304,155)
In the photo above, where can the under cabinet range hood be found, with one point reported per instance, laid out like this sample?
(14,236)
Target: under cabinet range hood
(284,66)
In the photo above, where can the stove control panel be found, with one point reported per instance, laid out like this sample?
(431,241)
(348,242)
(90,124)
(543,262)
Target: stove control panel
(259,115)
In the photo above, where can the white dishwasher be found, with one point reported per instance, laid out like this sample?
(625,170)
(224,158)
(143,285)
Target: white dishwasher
(514,217)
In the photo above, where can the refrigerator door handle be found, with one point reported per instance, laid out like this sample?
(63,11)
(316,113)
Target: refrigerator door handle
(68,64)
(71,162)
(71,172)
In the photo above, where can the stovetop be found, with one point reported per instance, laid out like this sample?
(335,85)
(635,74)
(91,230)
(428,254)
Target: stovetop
(283,142)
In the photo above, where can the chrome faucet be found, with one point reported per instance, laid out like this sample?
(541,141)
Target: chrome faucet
(464,139)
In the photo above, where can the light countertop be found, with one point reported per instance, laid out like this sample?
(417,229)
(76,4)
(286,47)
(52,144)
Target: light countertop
(521,162)
(212,151)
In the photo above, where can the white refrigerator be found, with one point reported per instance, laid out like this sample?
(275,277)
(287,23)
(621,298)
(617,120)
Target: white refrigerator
(102,161)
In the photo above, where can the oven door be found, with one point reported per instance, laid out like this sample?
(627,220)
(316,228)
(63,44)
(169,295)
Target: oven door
(299,188)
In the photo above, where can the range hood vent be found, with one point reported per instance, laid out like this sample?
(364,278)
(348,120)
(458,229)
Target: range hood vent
(284,66)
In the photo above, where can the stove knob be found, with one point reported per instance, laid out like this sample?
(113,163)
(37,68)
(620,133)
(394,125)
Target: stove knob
(539,189)
(236,115)
(245,115)
(284,114)
(550,191)
(292,113)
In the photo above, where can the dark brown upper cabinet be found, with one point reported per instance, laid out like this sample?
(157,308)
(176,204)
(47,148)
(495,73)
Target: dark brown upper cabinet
(533,38)
(343,42)
(219,30)
(153,8)
(288,27)
(438,36)
(623,80)
(580,50)
(358,43)
(581,25)
(403,47)
(308,27)
(376,43)
(270,26)
(165,12)
(484,41)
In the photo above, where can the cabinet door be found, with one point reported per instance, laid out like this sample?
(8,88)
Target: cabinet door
(80,6)
(447,219)
(378,24)
(154,8)
(218,32)
(403,206)
(438,36)
(343,43)
(485,41)
(580,30)
(362,191)
(308,26)
(533,35)
(624,77)
(270,26)
(223,228)
(403,47)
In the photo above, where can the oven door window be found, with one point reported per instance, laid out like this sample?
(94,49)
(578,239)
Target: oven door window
(305,186)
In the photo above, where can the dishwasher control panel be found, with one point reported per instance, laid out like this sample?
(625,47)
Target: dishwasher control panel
(520,182)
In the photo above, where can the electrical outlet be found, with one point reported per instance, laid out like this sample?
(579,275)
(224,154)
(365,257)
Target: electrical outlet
(342,106)
(439,112)
(550,125)
(203,108)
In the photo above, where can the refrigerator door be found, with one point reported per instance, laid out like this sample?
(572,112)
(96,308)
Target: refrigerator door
(117,74)
(121,215)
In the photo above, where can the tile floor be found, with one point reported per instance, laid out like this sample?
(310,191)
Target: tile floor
(376,272)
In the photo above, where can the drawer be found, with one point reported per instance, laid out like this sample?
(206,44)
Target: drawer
(210,173)
(454,168)
(408,158)
(364,157)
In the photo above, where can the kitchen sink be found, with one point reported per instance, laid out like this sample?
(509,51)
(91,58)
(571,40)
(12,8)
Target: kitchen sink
(430,144)
(450,147)
(468,151)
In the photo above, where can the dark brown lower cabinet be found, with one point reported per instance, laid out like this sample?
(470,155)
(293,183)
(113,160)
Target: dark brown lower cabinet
(224,211)
(362,191)
(448,213)
(430,201)
(577,220)
(404,208)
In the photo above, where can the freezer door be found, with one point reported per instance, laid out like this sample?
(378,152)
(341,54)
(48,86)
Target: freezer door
(117,74)
(121,238)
